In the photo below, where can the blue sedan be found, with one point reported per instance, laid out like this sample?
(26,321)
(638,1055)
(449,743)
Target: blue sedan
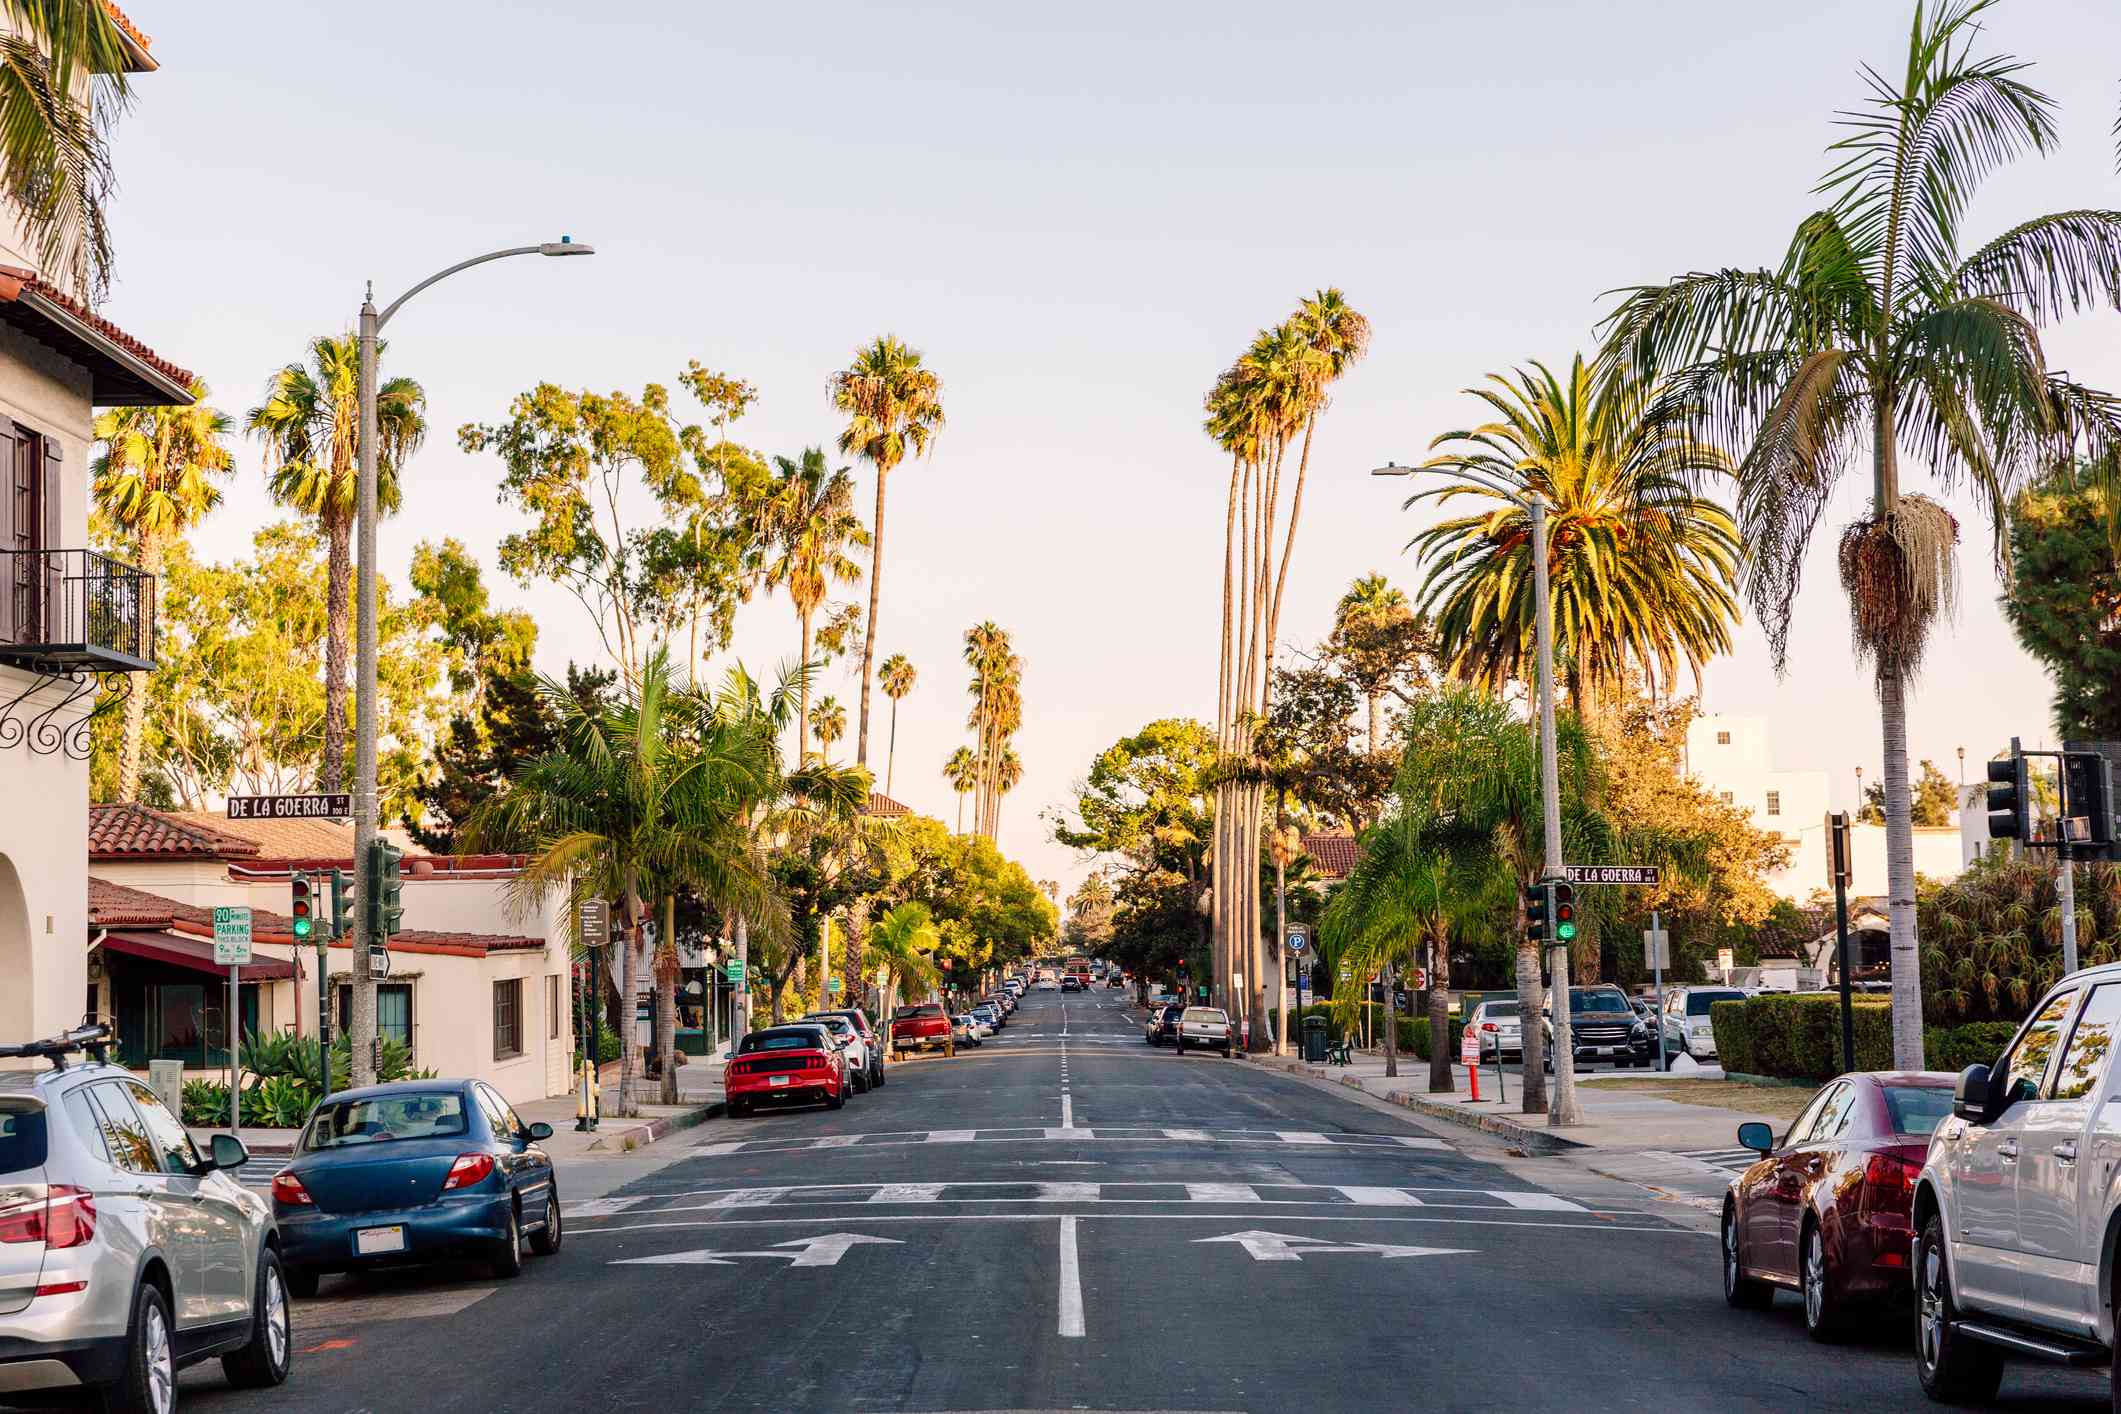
(416,1171)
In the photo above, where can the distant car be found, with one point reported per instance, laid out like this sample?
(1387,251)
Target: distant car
(968,1029)
(1047,984)
(412,1172)
(1602,1026)
(1071,983)
(921,1026)
(1687,1029)
(785,1064)
(986,1017)
(1827,1211)
(1499,1028)
(871,1041)
(850,1038)
(1163,1024)
(1160,1000)
(1204,1026)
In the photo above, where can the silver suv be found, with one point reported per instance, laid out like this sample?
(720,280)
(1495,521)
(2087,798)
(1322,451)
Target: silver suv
(124,1254)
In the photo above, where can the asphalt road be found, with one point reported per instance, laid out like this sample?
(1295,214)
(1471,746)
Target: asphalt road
(1069,1219)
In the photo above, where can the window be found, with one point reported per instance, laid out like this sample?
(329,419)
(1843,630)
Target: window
(172,1142)
(1774,802)
(2089,1044)
(1727,797)
(1723,738)
(22,1140)
(87,1122)
(508,1018)
(29,521)
(1917,1109)
(499,1115)
(2027,1061)
(1834,1119)
(124,1136)
(418,1114)
(552,1006)
(393,1011)
(187,1021)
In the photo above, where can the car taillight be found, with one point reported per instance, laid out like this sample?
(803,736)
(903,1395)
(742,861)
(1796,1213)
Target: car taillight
(1891,1183)
(288,1189)
(64,1217)
(1489,1026)
(467,1170)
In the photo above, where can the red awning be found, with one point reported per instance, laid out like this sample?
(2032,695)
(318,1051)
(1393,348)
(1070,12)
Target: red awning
(194,954)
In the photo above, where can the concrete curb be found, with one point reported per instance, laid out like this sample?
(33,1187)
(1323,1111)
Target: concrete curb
(1527,1135)
(640,1136)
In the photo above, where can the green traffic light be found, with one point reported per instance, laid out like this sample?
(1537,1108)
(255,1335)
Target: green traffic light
(302,926)
(1565,931)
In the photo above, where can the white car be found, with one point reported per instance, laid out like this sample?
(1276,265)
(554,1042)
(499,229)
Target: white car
(1499,1027)
(2016,1207)
(857,1049)
(1686,1019)
(1204,1026)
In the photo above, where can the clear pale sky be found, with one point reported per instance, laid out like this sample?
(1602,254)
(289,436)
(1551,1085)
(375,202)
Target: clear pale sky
(1079,214)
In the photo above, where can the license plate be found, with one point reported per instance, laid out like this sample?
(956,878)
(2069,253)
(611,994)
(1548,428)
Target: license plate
(777,1080)
(371,1240)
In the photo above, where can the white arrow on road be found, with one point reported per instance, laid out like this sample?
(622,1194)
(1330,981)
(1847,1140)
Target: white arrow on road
(1288,1247)
(824,1251)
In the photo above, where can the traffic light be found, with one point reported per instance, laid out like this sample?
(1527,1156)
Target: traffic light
(2010,797)
(341,901)
(386,888)
(1537,910)
(303,909)
(2088,795)
(1561,908)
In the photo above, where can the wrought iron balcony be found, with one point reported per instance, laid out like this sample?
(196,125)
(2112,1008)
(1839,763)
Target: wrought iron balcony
(71,612)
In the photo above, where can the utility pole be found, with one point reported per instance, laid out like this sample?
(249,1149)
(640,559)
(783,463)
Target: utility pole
(1562,1110)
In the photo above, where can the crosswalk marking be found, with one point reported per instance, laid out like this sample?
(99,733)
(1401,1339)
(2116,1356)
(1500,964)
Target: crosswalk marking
(907,1193)
(1541,1202)
(839,1141)
(1411,1142)
(1290,1138)
(599,1207)
(1729,1160)
(1301,1136)
(1221,1193)
(1379,1197)
(1198,1135)
(950,1136)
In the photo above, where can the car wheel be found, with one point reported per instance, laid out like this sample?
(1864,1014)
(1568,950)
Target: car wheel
(546,1240)
(263,1363)
(1180,1043)
(837,1100)
(1954,1369)
(737,1109)
(1740,1290)
(149,1384)
(1822,1311)
(301,1281)
(878,1079)
(508,1254)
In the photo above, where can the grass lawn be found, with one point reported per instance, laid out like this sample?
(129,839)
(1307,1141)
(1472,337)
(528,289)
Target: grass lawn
(1781,1101)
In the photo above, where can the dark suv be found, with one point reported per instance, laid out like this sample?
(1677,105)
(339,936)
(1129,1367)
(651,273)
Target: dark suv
(1602,1026)
(1163,1023)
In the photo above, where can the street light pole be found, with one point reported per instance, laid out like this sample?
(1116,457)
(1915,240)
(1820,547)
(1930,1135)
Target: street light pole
(363,1018)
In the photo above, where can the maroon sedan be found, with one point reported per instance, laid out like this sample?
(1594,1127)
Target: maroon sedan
(1826,1212)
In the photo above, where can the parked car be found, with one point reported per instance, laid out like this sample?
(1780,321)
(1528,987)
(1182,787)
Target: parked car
(415,1171)
(1160,1000)
(872,1043)
(2015,1207)
(1686,1019)
(922,1026)
(967,1029)
(1205,1026)
(1071,983)
(1163,1023)
(101,1188)
(1499,1026)
(1826,1211)
(987,1018)
(800,1062)
(1602,1026)
(850,1038)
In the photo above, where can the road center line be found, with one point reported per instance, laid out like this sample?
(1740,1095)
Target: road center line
(1071,1282)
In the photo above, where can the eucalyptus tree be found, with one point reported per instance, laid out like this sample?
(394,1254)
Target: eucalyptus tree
(155,479)
(896,677)
(893,406)
(809,520)
(1876,333)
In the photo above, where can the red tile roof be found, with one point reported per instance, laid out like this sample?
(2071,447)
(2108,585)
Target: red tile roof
(143,832)
(885,807)
(132,31)
(17,282)
(115,906)
(1332,853)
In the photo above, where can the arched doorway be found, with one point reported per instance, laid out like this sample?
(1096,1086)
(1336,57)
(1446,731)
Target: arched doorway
(18,972)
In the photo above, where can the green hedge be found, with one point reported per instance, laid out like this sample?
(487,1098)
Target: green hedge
(1799,1037)
(1413,1030)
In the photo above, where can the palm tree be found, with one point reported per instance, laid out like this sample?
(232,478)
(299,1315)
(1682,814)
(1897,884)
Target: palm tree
(997,712)
(1008,775)
(901,943)
(897,677)
(1643,570)
(809,520)
(642,797)
(1876,330)
(828,724)
(893,406)
(1371,604)
(962,771)
(155,480)
(62,87)
(310,423)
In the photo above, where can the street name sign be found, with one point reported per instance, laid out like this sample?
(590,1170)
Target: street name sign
(232,936)
(736,972)
(1612,874)
(327,805)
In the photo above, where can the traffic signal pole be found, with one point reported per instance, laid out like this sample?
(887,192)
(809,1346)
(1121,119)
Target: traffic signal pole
(1562,1109)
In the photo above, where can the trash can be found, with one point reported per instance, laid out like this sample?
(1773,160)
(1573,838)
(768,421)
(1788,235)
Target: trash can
(1314,1038)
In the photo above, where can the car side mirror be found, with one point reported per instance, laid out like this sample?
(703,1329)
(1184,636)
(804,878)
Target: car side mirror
(1970,1096)
(1756,1136)
(539,1129)
(226,1152)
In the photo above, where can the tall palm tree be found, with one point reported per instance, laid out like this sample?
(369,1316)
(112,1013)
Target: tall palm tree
(897,677)
(828,724)
(1643,569)
(155,480)
(893,406)
(810,522)
(310,423)
(962,771)
(62,87)
(1876,333)
(1372,603)
(997,712)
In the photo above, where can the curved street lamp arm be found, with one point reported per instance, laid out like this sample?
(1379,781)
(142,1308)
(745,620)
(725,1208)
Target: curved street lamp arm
(384,317)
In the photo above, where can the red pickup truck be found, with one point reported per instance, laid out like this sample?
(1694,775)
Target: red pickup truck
(924,1026)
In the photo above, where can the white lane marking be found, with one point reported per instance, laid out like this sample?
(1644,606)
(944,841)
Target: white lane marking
(1378,1197)
(906,1193)
(711,1150)
(1413,1143)
(747,1198)
(1071,1282)
(1067,1111)
(824,1250)
(1071,1134)
(1151,1217)
(1541,1202)
(598,1207)
(1301,1136)
(952,1136)
(1284,1247)
(1069,1192)
(1221,1193)
(1195,1134)
(836,1141)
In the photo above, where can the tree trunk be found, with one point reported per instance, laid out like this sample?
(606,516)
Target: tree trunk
(1391,1022)
(1281,927)
(1529,1001)
(1900,878)
(743,998)
(136,695)
(338,616)
(961,812)
(802,710)
(666,1000)
(876,584)
(1375,698)
(891,754)
(629,1028)
(1439,999)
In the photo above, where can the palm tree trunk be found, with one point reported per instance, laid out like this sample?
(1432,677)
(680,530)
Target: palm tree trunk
(891,757)
(876,584)
(961,812)
(1439,1000)
(1391,1021)
(136,696)
(338,598)
(1281,925)
(1529,1000)
(1900,877)
(666,1000)
(802,711)
(629,1028)
(1375,699)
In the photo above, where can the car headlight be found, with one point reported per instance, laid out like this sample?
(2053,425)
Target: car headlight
(1639,1033)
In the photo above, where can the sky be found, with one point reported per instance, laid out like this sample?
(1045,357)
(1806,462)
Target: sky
(1079,215)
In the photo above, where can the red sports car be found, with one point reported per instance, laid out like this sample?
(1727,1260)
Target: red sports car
(1825,1212)
(784,1065)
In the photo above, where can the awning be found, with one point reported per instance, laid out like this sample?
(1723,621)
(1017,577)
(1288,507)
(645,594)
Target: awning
(194,954)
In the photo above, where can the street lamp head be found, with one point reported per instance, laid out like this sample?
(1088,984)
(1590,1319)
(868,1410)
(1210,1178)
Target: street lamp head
(566,245)
(1393,469)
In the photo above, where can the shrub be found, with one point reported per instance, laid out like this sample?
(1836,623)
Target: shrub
(1799,1037)
(1975,1043)
(205,1103)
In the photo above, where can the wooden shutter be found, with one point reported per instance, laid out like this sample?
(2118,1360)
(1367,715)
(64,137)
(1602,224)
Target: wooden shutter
(13,573)
(47,471)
